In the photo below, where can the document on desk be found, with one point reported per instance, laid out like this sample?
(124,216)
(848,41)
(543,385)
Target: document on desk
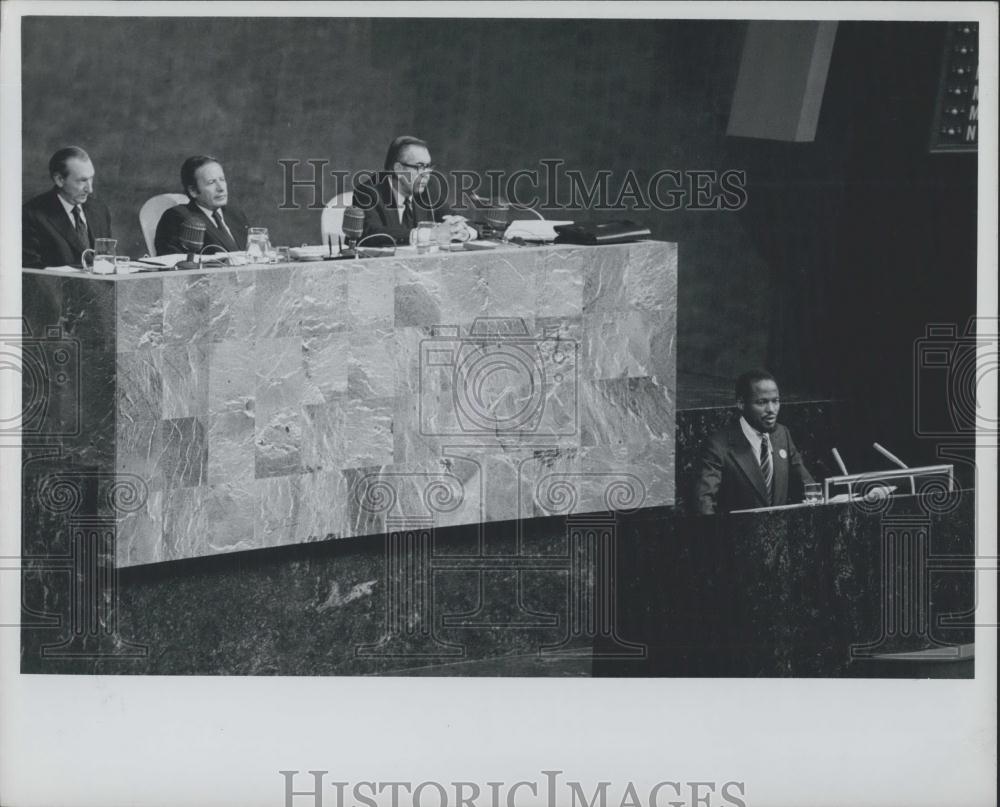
(165,261)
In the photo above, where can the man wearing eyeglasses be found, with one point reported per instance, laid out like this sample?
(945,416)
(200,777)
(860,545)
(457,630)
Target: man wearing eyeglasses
(397,200)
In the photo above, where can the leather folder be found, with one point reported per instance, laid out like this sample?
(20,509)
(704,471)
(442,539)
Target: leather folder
(608,232)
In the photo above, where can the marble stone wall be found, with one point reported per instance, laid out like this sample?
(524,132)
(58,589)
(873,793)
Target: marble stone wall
(823,591)
(816,591)
(266,406)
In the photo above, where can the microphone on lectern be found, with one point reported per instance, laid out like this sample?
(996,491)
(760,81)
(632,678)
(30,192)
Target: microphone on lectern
(497,216)
(354,225)
(192,237)
(839,461)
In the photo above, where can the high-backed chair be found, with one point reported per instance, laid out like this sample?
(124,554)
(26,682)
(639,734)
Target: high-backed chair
(331,223)
(150,212)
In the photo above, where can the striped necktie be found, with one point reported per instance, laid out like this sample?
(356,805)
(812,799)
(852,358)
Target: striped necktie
(223,227)
(766,466)
(81,226)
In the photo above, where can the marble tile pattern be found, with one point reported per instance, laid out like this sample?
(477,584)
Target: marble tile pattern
(782,595)
(295,403)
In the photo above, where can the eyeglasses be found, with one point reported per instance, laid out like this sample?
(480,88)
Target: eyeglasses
(418,167)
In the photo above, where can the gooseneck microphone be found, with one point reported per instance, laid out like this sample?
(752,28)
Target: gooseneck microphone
(192,238)
(839,461)
(890,456)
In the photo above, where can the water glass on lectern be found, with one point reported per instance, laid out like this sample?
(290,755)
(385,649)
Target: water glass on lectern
(102,257)
(422,236)
(258,245)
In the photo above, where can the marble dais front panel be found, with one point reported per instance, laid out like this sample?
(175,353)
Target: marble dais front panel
(272,405)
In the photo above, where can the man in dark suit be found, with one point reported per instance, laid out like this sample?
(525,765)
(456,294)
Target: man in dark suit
(58,225)
(399,198)
(754,462)
(225,226)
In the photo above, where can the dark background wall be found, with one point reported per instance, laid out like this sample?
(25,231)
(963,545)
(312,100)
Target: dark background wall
(869,238)
(486,94)
(847,248)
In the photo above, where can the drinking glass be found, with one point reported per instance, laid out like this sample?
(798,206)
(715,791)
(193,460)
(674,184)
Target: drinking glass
(423,237)
(281,255)
(814,493)
(258,245)
(123,265)
(442,235)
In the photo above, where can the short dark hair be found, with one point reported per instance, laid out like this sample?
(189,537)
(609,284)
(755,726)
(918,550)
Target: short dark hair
(744,384)
(396,148)
(192,164)
(57,162)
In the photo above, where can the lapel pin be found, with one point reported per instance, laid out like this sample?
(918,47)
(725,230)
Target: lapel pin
(782,453)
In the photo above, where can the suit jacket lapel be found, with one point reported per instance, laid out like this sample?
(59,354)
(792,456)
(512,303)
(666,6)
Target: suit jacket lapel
(780,464)
(227,238)
(59,219)
(92,219)
(747,462)
(388,196)
(219,236)
(422,211)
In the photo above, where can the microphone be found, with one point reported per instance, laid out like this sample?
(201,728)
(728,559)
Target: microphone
(497,214)
(889,456)
(192,238)
(839,461)
(354,225)
(496,219)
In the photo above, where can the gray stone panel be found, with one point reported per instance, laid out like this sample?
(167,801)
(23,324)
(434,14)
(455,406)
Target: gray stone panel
(265,406)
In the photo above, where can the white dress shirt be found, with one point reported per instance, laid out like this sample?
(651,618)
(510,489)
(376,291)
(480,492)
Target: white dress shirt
(754,437)
(69,211)
(400,201)
(471,233)
(222,218)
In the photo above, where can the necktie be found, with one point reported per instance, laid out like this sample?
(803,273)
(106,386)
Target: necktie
(408,219)
(221,224)
(766,466)
(81,226)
